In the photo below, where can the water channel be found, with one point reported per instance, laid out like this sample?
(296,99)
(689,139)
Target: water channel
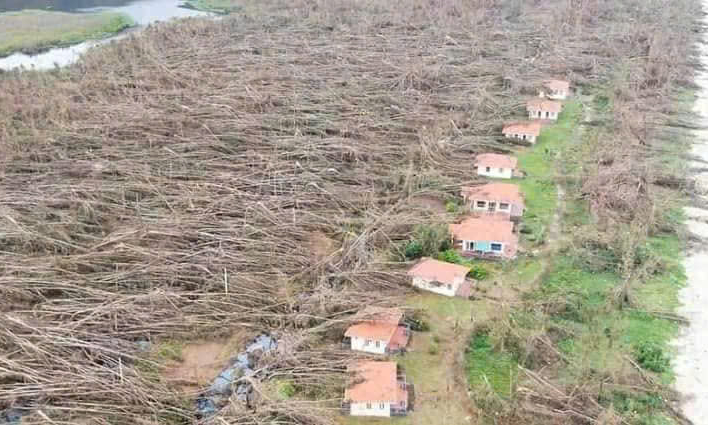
(144,12)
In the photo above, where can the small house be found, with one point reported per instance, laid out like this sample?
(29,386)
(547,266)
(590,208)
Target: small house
(528,130)
(544,109)
(378,331)
(441,277)
(376,389)
(486,238)
(499,199)
(555,89)
(497,165)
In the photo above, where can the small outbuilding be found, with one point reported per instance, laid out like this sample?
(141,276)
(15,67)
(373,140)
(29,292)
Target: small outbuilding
(555,89)
(485,238)
(526,130)
(378,331)
(498,199)
(441,277)
(497,166)
(376,389)
(544,109)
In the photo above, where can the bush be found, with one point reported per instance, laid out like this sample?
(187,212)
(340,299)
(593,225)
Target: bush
(452,207)
(433,238)
(413,250)
(478,272)
(451,256)
(285,389)
(652,357)
(417,324)
(433,349)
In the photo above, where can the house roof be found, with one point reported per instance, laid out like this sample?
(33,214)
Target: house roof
(374,381)
(561,85)
(544,105)
(525,127)
(438,271)
(481,229)
(496,192)
(496,160)
(376,323)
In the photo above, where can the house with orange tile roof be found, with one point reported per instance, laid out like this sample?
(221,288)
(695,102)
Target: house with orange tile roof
(543,109)
(485,237)
(441,277)
(378,330)
(497,199)
(555,89)
(376,389)
(525,130)
(497,166)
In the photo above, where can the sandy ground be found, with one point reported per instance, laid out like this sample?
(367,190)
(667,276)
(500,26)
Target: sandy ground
(692,345)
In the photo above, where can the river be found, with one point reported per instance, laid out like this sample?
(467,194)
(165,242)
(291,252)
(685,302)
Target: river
(143,12)
(690,363)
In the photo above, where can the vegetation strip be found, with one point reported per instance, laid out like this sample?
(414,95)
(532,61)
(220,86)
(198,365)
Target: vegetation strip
(33,31)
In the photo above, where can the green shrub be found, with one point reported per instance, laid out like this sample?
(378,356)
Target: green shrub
(433,349)
(433,238)
(478,272)
(452,207)
(436,339)
(285,389)
(652,357)
(451,256)
(413,250)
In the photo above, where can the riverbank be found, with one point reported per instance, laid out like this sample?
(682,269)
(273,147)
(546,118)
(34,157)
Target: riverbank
(221,7)
(35,31)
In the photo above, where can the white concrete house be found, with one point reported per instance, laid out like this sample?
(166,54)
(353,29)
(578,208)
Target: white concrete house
(378,331)
(555,90)
(497,199)
(543,109)
(528,131)
(497,166)
(377,389)
(441,277)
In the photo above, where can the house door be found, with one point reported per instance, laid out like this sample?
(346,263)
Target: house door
(492,206)
(469,246)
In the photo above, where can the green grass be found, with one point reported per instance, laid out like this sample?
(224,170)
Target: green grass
(32,31)
(538,162)
(489,367)
(221,7)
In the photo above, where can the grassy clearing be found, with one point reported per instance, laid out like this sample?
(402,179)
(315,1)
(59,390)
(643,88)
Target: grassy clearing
(31,31)
(221,7)
(538,186)
(487,367)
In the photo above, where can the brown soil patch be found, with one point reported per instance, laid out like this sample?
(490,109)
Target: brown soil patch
(430,203)
(321,245)
(202,361)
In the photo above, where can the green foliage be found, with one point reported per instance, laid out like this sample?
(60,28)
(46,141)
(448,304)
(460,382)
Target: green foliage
(453,207)
(478,272)
(487,365)
(221,7)
(433,349)
(413,250)
(652,357)
(285,389)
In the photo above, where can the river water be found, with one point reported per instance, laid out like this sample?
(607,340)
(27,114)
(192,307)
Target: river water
(144,12)
(690,363)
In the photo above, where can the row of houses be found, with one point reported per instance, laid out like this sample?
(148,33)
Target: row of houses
(380,388)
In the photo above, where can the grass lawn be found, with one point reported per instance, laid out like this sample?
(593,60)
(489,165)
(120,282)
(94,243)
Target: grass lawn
(32,31)
(222,7)
(538,187)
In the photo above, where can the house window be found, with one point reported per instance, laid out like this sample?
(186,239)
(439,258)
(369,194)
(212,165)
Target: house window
(449,286)
(489,169)
(378,344)
(501,170)
(523,136)
(381,405)
(469,246)
(367,343)
(497,247)
(547,114)
(492,206)
(481,204)
(503,206)
(368,405)
(540,114)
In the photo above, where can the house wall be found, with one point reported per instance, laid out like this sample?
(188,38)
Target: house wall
(508,249)
(541,115)
(432,286)
(557,95)
(500,173)
(359,344)
(360,409)
(529,137)
(512,210)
